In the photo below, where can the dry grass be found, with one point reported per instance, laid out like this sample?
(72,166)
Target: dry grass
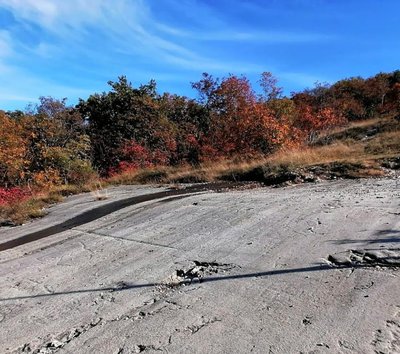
(212,171)
(34,207)
(384,145)
(310,156)
(99,192)
(357,124)
(18,213)
(342,149)
(358,131)
(340,152)
(149,175)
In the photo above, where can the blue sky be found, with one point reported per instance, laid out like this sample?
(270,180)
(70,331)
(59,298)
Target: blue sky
(71,48)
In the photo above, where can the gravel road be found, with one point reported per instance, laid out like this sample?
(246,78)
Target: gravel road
(311,268)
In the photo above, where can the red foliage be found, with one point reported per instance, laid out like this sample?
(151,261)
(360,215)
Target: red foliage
(311,121)
(135,156)
(243,125)
(209,153)
(13,195)
(190,139)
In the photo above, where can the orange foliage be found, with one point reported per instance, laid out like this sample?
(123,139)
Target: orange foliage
(310,121)
(46,178)
(243,125)
(12,151)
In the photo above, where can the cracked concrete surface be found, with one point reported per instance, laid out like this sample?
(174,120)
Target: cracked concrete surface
(303,269)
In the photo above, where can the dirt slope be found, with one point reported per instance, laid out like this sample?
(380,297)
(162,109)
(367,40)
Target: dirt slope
(303,269)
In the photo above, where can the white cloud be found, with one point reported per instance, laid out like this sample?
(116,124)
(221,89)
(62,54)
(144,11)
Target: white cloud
(6,96)
(121,22)
(6,52)
(231,35)
(268,37)
(54,15)
(5,44)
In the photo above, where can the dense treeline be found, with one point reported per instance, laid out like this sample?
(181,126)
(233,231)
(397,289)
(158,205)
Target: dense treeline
(129,128)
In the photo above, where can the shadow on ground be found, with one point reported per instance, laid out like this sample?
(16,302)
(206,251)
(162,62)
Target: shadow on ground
(383,236)
(123,286)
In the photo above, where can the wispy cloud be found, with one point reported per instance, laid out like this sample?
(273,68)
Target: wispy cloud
(5,44)
(232,35)
(122,24)
(268,37)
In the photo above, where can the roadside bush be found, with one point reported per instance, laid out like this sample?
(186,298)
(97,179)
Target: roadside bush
(80,172)
(46,179)
(13,195)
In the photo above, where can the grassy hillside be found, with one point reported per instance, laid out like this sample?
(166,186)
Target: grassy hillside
(362,149)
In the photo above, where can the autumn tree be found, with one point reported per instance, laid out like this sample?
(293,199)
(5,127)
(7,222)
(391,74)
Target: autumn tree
(13,149)
(58,148)
(191,122)
(311,121)
(240,123)
(125,114)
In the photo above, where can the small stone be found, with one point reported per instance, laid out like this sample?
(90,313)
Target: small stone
(139,348)
(323,345)
(55,344)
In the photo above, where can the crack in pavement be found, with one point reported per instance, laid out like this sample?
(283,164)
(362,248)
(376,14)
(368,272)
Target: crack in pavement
(86,248)
(57,342)
(188,330)
(195,328)
(387,340)
(29,253)
(125,239)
